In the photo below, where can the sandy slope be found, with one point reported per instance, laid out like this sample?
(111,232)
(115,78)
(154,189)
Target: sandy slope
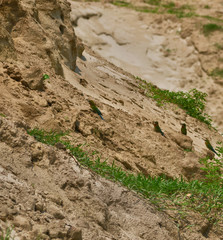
(163,49)
(43,190)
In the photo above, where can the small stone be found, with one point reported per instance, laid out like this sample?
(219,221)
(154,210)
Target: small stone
(39,207)
(210,154)
(80,182)
(57,233)
(74,233)
(150,158)
(181,140)
(3,213)
(60,145)
(53,210)
(21,221)
(33,80)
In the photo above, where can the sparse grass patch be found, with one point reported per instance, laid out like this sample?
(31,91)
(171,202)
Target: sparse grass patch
(218,46)
(193,101)
(181,11)
(153,2)
(122,3)
(211,27)
(212,18)
(169,5)
(202,196)
(217,72)
(136,8)
(158,7)
(2,115)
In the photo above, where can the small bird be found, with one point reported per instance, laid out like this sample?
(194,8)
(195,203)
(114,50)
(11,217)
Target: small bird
(157,128)
(209,146)
(184,129)
(95,109)
(77,126)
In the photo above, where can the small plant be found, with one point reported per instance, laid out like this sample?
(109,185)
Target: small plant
(167,52)
(207,7)
(210,28)
(193,101)
(187,150)
(7,234)
(2,115)
(45,76)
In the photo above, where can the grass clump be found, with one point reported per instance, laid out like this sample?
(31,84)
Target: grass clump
(166,193)
(2,115)
(211,27)
(207,7)
(193,102)
(7,234)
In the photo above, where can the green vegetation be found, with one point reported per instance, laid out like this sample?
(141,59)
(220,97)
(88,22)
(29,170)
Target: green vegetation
(136,8)
(187,150)
(7,234)
(218,46)
(157,7)
(204,196)
(45,76)
(182,11)
(193,101)
(212,18)
(211,27)
(2,115)
(217,72)
(213,168)
(122,3)
(153,2)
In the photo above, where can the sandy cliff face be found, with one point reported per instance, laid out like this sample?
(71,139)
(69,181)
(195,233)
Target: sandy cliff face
(43,190)
(171,52)
(37,35)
